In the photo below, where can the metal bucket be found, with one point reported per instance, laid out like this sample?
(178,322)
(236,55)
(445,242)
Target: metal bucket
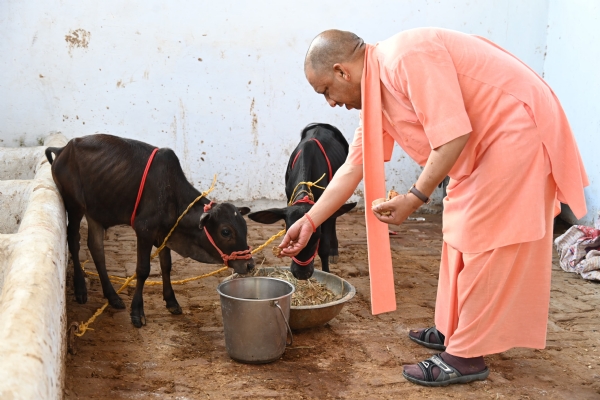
(256,311)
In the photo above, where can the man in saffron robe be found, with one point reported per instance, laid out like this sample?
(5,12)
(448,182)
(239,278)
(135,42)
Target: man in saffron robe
(461,106)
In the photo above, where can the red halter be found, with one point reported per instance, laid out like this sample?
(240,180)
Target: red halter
(208,206)
(305,263)
(324,154)
(141,190)
(236,255)
(306,200)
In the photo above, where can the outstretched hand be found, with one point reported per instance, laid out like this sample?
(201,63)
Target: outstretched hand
(399,207)
(296,238)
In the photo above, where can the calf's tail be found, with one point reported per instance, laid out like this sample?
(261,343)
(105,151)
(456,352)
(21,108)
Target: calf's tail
(55,150)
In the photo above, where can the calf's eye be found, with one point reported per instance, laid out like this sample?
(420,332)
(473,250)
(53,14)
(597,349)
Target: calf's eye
(226,232)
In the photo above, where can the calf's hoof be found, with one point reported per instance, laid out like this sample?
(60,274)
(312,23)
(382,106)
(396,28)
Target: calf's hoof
(116,302)
(334,259)
(175,310)
(138,320)
(81,297)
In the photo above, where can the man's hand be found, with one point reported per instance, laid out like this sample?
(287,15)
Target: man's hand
(400,208)
(335,195)
(296,238)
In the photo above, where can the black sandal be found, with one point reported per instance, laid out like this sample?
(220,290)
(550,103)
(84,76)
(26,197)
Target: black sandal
(423,339)
(448,375)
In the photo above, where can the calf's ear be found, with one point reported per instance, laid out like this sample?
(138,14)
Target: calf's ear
(343,209)
(243,210)
(269,216)
(203,220)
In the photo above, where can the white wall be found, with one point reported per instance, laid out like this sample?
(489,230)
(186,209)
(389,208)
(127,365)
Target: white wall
(239,110)
(572,70)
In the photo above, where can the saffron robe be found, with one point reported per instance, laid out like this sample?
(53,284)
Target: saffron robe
(425,87)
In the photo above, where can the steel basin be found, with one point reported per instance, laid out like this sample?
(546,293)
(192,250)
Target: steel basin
(304,317)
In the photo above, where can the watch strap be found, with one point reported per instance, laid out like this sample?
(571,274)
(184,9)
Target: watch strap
(419,195)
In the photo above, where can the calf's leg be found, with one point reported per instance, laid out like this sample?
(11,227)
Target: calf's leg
(96,246)
(74,217)
(168,292)
(144,247)
(325,245)
(333,249)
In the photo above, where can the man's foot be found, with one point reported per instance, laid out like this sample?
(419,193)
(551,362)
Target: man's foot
(429,337)
(444,369)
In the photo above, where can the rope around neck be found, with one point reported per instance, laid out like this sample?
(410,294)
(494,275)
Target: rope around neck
(309,191)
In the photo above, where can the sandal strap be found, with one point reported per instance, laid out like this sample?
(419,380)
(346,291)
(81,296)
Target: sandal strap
(427,368)
(424,336)
(446,371)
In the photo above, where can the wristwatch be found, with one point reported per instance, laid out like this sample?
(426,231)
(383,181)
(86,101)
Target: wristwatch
(419,195)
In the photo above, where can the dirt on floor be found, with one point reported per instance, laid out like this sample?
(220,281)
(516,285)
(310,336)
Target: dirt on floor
(356,355)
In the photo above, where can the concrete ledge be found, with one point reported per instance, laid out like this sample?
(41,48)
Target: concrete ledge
(32,291)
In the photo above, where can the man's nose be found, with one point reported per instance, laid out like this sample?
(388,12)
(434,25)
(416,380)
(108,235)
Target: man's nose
(331,103)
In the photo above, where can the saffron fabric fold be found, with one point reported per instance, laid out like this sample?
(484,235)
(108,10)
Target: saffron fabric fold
(381,273)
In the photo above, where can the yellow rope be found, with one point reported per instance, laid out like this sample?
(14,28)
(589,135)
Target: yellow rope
(203,194)
(309,192)
(118,279)
(84,326)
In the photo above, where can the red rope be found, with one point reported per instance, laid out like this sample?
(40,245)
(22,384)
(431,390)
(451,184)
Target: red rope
(141,190)
(326,158)
(322,151)
(295,158)
(242,255)
(208,206)
(305,263)
(305,199)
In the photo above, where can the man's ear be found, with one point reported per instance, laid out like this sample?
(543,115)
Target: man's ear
(343,209)
(204,219)
(341,72)
(243,210)
(269,216)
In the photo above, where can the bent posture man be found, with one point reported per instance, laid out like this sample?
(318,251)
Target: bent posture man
(459,106)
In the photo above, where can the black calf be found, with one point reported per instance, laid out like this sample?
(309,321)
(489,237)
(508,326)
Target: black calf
(99,176)
(322,150)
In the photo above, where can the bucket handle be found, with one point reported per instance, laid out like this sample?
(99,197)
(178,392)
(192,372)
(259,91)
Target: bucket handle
(276,304)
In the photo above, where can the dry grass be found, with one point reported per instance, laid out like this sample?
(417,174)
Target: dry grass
(308,292)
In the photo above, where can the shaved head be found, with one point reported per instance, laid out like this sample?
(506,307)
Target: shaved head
(334,67)
(331,47)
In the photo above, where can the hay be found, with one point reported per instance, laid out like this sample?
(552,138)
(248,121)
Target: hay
(308,292)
